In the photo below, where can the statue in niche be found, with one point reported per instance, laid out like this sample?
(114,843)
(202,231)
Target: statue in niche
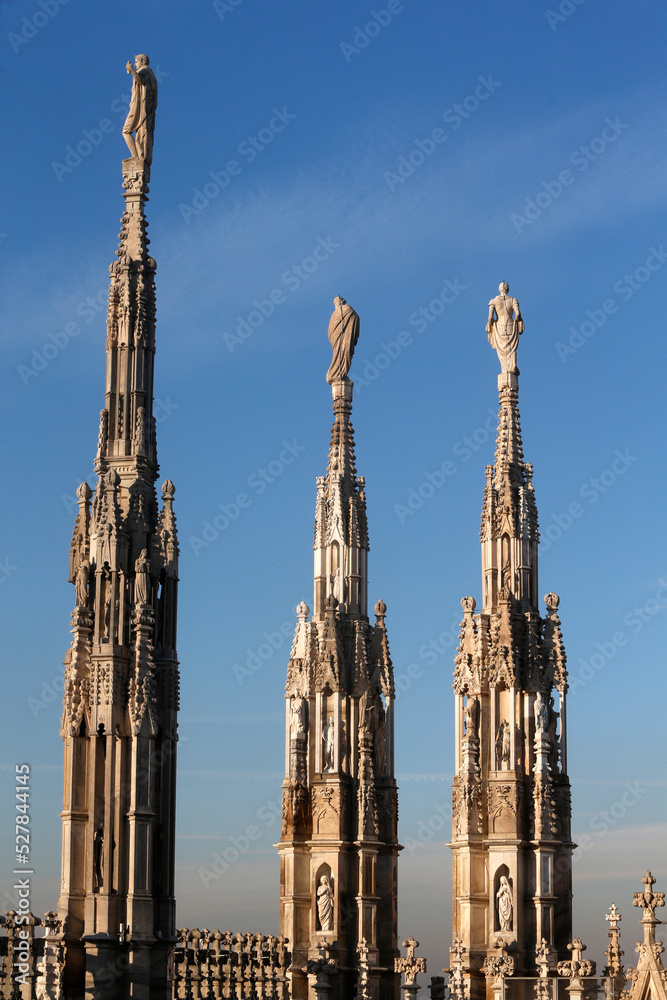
(142,569)
(141,116)
(325,903)
(380,739)
(298,716)
(503,745)
(98,855)
(364,713)
(553,735)
(541,714)
(504,901)
(81,577)
(343,337)
(328,735)
(471,716)
(504,327)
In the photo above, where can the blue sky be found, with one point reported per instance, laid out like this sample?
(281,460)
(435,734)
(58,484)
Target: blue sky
(551,178)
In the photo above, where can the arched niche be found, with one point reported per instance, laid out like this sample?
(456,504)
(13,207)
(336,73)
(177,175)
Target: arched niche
(325,910)
(503,903)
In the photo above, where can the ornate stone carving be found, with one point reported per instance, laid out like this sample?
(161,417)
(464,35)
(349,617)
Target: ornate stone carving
(497,966)
(409,965)
(648,899)
(577,966)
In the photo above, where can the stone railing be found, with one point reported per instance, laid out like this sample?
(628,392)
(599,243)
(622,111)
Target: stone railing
(32,956)
(218,964)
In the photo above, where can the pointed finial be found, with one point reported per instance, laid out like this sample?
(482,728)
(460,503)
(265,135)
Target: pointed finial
(613,917)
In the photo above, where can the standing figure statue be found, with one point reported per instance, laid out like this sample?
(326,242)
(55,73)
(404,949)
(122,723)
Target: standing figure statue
(325,903)
(343,337)
(504,327)
(141,117)
(541,714)
(81,577)
(298,716)
(504,897)
(98,856)
(142,568)
(328,737)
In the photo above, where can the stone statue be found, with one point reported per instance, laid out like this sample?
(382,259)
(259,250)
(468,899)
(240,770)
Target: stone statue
(380,739)
(328,737)
(142,569)
(325,903)
(503,745)
(81,583)
(98,855)
(504,327)
(471,714)
(541,714)
(343,336)
(298,716)
(504,898)
(141,116)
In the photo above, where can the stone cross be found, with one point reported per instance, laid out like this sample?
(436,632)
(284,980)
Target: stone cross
(614,917)
(410,967)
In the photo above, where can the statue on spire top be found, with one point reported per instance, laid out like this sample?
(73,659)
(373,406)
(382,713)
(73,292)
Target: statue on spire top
(343,337)
(504,328)
(141,116)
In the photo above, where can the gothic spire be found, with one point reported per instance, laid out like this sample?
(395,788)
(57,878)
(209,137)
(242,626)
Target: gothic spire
(121,672)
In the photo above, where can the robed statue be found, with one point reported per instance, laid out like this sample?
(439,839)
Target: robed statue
(343,337)
(141,117)
(504,328)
